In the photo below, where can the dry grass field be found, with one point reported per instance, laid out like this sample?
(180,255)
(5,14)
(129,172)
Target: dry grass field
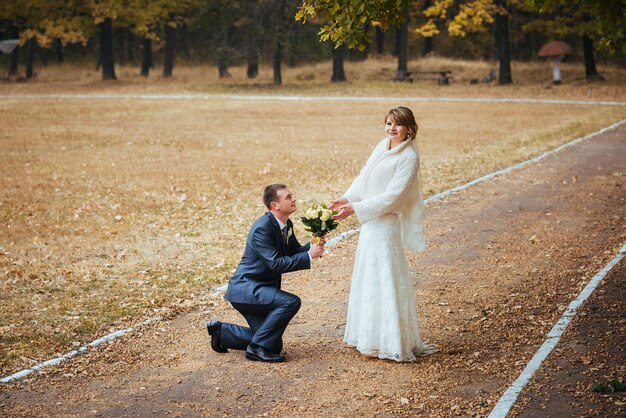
(365,78)
(113,210)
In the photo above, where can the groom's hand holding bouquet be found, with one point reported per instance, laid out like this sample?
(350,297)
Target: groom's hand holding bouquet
(319,221)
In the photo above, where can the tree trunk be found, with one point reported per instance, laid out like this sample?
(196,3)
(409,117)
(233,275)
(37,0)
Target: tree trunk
(13,59)
(253,31)
(280,22)
(130,48)
(428,46)
(504,45)
(30,46)
(43,56)
(278,79)
(222,68)
(146,57)
(223,51)
(338,72)
(170,45)
(380,40)
(403,47)
(106,50)
(58,49)
(591,73)
(253,66)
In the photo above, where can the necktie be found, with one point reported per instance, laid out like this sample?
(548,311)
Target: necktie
(284,232)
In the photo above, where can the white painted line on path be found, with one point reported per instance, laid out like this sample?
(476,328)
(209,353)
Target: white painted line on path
(214,97)
(424,99)
(502,408)
(53,362)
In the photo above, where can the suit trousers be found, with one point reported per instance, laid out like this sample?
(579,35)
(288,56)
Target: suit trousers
(267,323)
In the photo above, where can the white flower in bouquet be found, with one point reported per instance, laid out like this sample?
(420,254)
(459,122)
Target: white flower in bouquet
(311,213)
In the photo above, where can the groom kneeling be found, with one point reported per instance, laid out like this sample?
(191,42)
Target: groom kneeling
(254,290)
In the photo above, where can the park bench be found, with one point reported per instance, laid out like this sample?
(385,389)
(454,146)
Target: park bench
(442,76)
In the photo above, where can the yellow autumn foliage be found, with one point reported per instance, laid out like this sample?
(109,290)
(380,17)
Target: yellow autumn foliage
(439,9)
(472,17)
(428,29)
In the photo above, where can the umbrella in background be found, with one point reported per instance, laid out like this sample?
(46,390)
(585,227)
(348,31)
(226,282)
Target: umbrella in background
(556,50)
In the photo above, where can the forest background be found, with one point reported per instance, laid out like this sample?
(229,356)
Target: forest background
(153,35)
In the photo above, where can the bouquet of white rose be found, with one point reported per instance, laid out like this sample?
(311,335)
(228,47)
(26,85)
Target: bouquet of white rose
(318,220)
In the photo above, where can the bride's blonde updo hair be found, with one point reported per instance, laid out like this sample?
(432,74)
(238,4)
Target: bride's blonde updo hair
(403,116)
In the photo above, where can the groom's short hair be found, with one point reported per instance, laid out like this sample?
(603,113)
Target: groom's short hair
(270,194)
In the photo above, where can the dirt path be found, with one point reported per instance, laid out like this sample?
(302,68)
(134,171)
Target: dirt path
(504,260)
(591,352)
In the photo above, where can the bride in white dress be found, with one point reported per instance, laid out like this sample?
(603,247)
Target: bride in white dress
(386,197)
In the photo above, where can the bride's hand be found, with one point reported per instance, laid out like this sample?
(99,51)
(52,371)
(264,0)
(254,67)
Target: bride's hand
(334,204)
(344,211)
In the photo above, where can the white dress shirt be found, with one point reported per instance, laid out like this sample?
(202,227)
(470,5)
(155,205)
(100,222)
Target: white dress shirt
(282,226)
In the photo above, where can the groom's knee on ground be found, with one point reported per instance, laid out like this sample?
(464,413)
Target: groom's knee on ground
(291,302)
(296,303)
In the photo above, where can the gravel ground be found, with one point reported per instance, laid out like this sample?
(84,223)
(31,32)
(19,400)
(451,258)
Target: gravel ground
(504,260)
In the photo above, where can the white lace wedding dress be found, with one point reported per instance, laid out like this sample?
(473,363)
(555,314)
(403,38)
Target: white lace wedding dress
(382,315)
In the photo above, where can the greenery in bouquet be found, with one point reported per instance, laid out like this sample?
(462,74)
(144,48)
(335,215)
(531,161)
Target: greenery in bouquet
(318,220)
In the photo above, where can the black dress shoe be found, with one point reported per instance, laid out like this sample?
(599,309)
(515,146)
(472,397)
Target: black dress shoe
(261,354)
(213,327)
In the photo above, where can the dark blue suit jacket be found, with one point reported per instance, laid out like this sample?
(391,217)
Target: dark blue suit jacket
(265,258)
